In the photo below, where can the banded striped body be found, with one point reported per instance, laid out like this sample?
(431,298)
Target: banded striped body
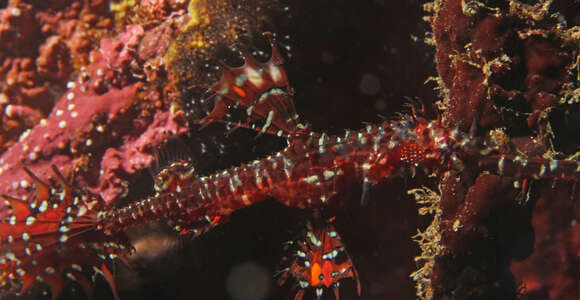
(313,171)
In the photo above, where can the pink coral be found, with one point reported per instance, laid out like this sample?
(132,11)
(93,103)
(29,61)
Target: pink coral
(105,127)
(41,47)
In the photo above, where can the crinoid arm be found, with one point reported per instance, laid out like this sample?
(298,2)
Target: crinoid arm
(55,234)
(319,262)
(261,89)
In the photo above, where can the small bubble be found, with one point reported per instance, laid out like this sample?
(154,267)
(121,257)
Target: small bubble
(380,104)
(327,57)
(369,84)
(248,281)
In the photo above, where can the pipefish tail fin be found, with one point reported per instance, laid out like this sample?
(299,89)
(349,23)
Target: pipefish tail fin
(55,235)
(320,261)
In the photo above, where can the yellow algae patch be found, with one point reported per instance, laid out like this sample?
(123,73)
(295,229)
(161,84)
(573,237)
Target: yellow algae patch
(198,11)
(125,12)
(123,9)
(212,23)
(429,240)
